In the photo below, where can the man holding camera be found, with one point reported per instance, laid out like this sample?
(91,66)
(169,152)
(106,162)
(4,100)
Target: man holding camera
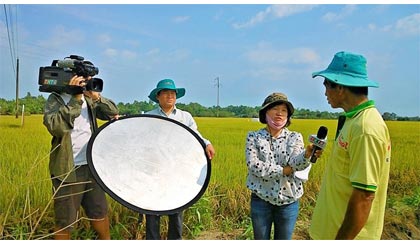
(71,120)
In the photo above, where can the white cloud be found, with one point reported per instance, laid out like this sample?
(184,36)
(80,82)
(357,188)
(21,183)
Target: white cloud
(156,56)
(104,38)
(280,11)
(273,64)
(271,73)
(406,26)
(218,15)
(177,55)
(153,52)
(409,25)
(345,12)
(274,12)
(265,54)
(63,37)
(127,54)
(372,27)
(387,28)
(110,52)
(153,56)
(132,43)
(180,19)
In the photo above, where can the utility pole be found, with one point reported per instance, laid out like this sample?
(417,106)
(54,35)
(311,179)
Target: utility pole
(17,87)
(218,88)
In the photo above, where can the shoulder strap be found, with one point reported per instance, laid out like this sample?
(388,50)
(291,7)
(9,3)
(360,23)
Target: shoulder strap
(341,120)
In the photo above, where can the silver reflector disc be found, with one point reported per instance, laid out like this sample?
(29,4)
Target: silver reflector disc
(151,164)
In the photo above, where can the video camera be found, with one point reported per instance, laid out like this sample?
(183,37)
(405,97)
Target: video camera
(56,78)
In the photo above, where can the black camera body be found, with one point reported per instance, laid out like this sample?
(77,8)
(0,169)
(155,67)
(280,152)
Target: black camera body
(56,78)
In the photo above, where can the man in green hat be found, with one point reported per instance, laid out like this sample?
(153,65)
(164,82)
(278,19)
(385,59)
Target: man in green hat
(351,202)
(165,94)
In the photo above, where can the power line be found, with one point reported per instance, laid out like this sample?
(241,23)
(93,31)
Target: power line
(13,24)
(13,48)
(8,36)
(17,36)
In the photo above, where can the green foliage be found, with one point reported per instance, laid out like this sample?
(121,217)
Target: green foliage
(34,105)
(413,200)
(198,217)
(135,108)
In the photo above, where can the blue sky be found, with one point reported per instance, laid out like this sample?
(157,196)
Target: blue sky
(253,49)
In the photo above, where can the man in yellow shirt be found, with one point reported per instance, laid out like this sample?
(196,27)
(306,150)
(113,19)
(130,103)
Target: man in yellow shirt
(351,202)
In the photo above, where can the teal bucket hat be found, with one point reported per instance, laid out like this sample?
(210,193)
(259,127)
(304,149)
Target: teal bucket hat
(347,69)
(166,84)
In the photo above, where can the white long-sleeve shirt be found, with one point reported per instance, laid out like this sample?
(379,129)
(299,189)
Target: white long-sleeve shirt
(266,158)
(181,116)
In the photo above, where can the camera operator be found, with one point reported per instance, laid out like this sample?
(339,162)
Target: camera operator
(71,120)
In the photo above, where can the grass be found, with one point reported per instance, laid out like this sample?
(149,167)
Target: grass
(222,212)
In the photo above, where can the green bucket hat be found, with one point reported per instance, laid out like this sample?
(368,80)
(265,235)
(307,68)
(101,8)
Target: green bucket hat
(347,69)
(166,84)
(272,100)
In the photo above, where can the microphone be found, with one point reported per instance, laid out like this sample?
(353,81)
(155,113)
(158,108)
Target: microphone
(67,63)
(319,140)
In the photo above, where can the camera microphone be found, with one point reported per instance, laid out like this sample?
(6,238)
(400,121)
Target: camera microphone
(67,63)
(319,140)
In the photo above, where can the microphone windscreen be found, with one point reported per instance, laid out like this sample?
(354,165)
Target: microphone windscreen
(322,132)
(66,63)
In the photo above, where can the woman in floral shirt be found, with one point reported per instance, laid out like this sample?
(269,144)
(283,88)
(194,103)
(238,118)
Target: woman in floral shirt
(278,164)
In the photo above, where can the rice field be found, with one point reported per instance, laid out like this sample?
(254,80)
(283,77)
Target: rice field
(222,212)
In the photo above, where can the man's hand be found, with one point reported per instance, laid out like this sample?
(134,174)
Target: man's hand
(357,214)
(210,151)
(95,96)
(78,81)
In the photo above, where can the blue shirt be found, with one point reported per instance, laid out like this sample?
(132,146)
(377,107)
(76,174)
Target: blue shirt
(181,116)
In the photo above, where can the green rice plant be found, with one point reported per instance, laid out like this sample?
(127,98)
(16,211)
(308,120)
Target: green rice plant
(26,191)
(413,200)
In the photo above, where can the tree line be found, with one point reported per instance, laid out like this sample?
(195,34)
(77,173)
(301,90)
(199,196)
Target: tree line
(35,105)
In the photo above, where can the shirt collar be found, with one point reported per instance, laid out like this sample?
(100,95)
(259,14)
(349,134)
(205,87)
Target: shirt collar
(283,133)
(353,112)
(163,112)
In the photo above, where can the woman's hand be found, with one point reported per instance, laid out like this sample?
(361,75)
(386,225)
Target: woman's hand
(287,170)
(310,148)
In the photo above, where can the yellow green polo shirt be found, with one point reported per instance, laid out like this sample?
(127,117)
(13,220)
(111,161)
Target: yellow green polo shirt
(360,159)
